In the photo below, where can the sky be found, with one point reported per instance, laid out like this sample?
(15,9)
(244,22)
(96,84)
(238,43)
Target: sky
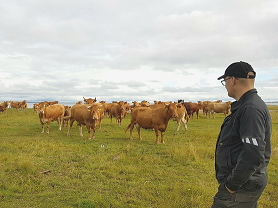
(126,50)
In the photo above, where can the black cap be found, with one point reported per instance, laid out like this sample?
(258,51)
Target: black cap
(239,70)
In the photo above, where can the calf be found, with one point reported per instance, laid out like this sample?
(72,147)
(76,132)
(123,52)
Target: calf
(87,115)
(51,113)
(182,116)
(149,118)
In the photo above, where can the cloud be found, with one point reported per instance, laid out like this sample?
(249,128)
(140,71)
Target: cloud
(133,50)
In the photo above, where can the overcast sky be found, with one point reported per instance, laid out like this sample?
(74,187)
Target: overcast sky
(134,50)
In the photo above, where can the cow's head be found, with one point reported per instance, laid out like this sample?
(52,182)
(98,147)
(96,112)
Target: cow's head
(123,112)
(94,111)
(172,110)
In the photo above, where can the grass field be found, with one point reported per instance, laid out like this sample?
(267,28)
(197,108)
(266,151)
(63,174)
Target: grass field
(40,170)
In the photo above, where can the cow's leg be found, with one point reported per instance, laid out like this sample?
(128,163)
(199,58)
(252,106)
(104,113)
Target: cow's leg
(212,113)
(89,131)
(208,114)
(131,129)
(100,123)
(139,131)
(48,123)
(179,124)
(61,122)
(162,138)
(197,112)
(184,122)
(156,134)
(42,127)
(80,130)
(94,131)
(71,122)
(111,118)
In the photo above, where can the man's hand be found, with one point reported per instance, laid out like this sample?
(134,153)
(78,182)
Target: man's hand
(229,190)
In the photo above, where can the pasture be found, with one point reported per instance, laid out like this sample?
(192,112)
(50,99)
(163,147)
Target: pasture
(40,170)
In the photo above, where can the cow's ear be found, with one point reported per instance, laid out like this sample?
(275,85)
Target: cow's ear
(88,108)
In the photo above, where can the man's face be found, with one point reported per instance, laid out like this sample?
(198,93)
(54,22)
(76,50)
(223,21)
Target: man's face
(229,86)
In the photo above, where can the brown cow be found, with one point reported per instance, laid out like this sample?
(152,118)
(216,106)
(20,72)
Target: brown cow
(17,105)
(117,111)
(36,107)
(127,106)
(51,113)
(101,112)
(53,102)
(24,106)
(134,104)
(220,108)
(205,107)
(206,110)
(157,105)
(90,100)
(47,103)
(148,118)
(182,117)
(191,108)
(66,119)
(144,103)
(106,107)
(4,106)
(87,115)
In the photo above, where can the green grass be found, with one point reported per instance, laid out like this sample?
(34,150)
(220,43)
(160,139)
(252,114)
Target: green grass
(113,171)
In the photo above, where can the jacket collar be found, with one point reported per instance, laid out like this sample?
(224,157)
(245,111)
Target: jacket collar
(235,105)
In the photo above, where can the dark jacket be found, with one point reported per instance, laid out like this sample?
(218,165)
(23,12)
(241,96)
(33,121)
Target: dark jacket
(243,145)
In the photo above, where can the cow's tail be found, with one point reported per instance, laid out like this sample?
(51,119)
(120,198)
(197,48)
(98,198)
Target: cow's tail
(66,117)
(127,127)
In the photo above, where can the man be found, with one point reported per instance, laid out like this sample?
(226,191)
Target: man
(243,145)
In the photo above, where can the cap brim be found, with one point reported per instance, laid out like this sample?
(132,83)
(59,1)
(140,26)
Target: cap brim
(223,76)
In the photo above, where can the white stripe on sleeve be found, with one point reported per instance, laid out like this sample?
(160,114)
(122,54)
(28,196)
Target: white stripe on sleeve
(255,142)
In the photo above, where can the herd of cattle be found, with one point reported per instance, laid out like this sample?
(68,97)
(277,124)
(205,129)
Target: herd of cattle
(143,115)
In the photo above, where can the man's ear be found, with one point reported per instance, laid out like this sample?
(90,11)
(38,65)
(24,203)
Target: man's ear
(234,80)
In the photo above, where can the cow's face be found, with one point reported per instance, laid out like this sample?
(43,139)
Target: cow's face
(41,108)
(172,110)
(123,112)
(94,111)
